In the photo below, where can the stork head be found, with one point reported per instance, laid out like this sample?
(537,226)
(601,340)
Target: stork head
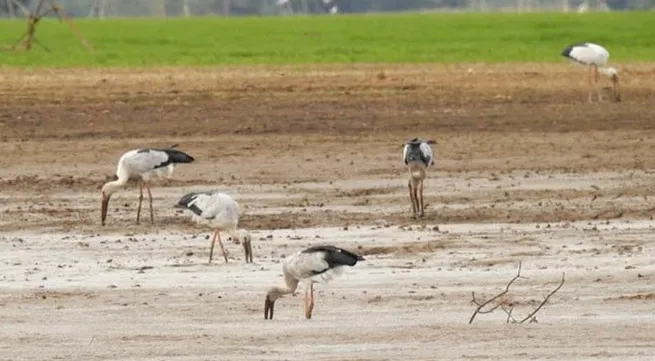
(107,190)
(239,236)
(612,74)
(419,140)
(271,296)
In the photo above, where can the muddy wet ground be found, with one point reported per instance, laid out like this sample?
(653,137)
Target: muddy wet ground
(526,170)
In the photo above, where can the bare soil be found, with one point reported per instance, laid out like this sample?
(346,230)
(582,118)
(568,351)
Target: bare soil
(526,170)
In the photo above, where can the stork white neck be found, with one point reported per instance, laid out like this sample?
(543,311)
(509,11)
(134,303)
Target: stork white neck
(291,284)
(110,187)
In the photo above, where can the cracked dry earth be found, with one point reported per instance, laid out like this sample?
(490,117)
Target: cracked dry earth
(526,171)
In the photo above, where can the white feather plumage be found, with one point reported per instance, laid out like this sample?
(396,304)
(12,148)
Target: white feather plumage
(595,57)
(303,266)
(426,150)
(589,54)
(135,163)
(217,209)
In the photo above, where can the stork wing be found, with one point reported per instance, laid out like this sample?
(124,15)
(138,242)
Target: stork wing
(214,205)
(321,263)
(142,161)
(200,203)
(427,153)
(587,54)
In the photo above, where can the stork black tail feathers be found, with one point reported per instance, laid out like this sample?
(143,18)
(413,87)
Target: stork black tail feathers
(567,51)
(185,200)
(178,156)
(336,256)
(344,257)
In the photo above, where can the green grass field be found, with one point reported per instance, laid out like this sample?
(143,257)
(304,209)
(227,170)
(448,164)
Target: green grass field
(406,38)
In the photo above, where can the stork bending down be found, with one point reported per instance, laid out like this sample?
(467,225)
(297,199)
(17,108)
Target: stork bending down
(221,212)
(142,165)
(417,155)
(314,264)
(595,57)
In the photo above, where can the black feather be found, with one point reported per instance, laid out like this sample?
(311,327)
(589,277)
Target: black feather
(188,198)
(567,51)
(415,155)
(334,257)
(174,156)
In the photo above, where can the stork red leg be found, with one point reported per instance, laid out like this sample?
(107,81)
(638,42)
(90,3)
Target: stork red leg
(598,94)
(420,195)
(220,243)
(138,210)
(152,215)
(311,301)
(306,302)
(591,100)
(590,71)
(211,247)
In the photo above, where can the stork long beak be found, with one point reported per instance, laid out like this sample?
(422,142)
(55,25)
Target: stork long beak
(103,209)
(268,308)
(617,93)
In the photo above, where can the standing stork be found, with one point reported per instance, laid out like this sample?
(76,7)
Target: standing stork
(221,212)
(142,165)
(595,57)
(312,265)
(417,155)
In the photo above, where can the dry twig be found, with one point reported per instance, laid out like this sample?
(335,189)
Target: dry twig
(48,6)
(531,315)
(482,304)
(510,317)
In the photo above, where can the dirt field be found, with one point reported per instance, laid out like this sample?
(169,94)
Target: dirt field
(526,170)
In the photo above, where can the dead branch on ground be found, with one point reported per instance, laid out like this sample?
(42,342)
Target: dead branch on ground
(482,304)
(43,8)
(510,318)
(531,315)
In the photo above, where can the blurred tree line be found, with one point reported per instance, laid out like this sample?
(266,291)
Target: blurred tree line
(102,8)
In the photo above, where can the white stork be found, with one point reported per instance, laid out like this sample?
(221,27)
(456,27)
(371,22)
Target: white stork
(312,265)
(594,56)
(142,165)
(417,155)
(221,212)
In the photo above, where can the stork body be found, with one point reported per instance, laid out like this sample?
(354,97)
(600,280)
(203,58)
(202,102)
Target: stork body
(595,57)
(220,212)
(142,165)
(418,157)
(311,265)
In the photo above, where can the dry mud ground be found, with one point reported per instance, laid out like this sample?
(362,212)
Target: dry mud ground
(526,171)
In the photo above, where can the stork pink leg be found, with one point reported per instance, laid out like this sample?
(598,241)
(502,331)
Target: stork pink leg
(591,75)
(306,302)
(138,209)
(211,247)
(152,215)
(220,243)
(591,84)
(310,306)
